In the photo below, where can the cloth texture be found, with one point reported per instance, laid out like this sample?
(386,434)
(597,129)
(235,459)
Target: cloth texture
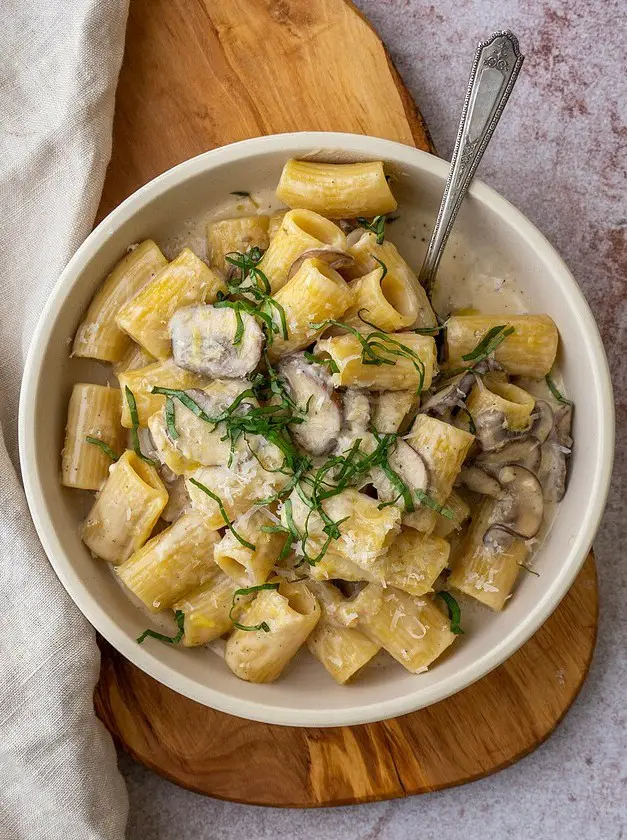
(58,72)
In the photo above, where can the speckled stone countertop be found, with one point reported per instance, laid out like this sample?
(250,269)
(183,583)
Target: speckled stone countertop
(560,155)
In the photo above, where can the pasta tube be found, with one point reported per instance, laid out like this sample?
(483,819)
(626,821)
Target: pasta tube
(443,448)
(143,380)
(342,650)
(530,351)
(364,252)
(290,613)
(487,573)
(336,190)
(461,511)
(185,281)
(275,222)
(315,293)
(94,411)
(134,358)
(412,630)
(493,395)
(414,561)
(232,235)
(386,300)
(390,408)
(126,510)
(300,231)
(98,336)
(249,567)
(173,563)
(208,610)
(406,372)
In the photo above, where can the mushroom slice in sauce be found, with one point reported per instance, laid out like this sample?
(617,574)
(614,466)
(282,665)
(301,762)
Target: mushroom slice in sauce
(543,421)
(202,341)
(356,407)
(311,388)
(408,465)
(520,510)
(451,396)
(475,479)
(525,452)
(555,451)
(492,431)
(178,498)
(335,258)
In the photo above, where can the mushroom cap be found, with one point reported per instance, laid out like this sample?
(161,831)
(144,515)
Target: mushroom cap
(311,387)
(451,396)
(520,509)
(478,481)
(333,256)
(525,452)
(543,421)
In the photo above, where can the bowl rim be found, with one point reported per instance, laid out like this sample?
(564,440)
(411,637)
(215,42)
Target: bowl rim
(306,142)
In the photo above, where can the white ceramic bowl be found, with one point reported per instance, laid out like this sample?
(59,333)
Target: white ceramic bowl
(492,237)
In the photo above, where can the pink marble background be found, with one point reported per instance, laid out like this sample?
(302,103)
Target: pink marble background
(560,155)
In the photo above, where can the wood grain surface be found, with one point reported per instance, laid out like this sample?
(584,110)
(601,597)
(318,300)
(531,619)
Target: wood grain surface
(199,74)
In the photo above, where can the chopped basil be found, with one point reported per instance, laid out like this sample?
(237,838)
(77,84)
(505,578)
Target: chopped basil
(179,615)
(132,407)
(555,391)
(226,519)
(104,446)
(454,612)
(248,591)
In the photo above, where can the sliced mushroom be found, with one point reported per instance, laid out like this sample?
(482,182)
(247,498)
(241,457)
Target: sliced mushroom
(311,388)
(451,396)
(542,421)
(348,225)
(492,431)
(202,341)
(520,510)
(333,256)
(356,407)
(178,498)
(410,468)
(478,481)
(524,452)
(555,451)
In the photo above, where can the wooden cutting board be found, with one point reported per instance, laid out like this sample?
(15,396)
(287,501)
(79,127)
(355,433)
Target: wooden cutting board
(198,74)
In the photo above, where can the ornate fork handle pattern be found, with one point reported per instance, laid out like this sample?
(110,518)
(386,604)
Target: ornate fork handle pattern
(494,71)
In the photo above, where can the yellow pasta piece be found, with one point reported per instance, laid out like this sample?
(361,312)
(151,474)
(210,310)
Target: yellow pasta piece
(173,563)
(390,408)
(342,650)
(274,225)
(98,336)
(487,573)
(141,382)
(315,293)
(365,533)
(412,630)
(404,374)
(414,561)
(126,510)
(300,231)
(185,281)
(232,235)
(493,395)
(386,300)
(365,253)
(246,566)
(208,610)
(290,614)
(461,511)
(529,351)
(94,411)
(134,358)
(336,190)
(443,448)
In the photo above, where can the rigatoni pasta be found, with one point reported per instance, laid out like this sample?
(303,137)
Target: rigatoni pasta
(318,464)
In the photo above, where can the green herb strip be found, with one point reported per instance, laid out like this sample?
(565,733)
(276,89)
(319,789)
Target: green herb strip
(376,226)
(488,344)
(555,391)
(226,519)
(383,266)
(132,407)
(379,348)
(248,591)
(430,502)
(179,615)
(104,446)
(333,368)
(244,194)
(184,398)
(263,304)
(170,417)
(454,612)
(528,569)
(472,426)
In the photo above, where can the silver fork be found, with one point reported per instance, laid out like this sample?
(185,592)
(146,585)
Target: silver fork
(494,71)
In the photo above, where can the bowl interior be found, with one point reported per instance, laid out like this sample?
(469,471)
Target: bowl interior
(491,239)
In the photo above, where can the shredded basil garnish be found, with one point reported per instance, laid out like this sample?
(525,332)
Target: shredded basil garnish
(383,266)
(132,407)
(430,502)
(184,398)
(179,615)
(555,391)
(170,419)
(262,306)
(454,612)
(248,591)
(377,226)
(528,569)
(488,344)
(226,519)
(104,446)
(328,362)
